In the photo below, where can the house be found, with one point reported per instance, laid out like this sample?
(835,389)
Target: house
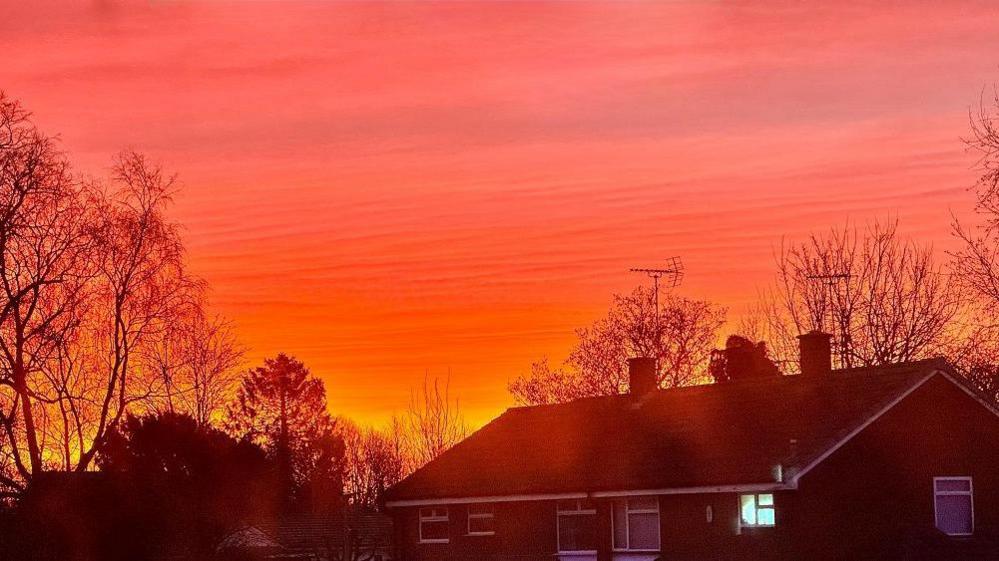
(358,535)
(896,462)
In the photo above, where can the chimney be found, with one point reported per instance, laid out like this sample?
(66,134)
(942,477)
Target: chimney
(816,353)
(641,375)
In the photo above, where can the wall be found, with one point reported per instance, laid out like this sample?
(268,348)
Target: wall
(525,531)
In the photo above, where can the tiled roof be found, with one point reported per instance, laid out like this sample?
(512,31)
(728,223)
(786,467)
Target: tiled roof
(249,537)
(313,533)
(320,532)
(733,433)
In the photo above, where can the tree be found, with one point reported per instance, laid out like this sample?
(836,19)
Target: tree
(741,359)
(196,357)
(976,263)
(187,484)
(885,298)
(45,244)
(374,460)
(433,423)
(139,283)
(88,273)
(680,337)
(282,407)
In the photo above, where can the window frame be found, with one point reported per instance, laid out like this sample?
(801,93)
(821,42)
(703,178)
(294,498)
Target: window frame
(472,515)
(578,511)
(757,508)
(970,493)
(628,511)
(435,518)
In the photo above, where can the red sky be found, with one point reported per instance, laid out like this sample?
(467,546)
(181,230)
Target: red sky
(388,189)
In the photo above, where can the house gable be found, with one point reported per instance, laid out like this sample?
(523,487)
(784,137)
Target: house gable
(878,488)
(976,400)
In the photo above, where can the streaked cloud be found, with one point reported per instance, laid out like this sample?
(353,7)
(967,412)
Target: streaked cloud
(387,188)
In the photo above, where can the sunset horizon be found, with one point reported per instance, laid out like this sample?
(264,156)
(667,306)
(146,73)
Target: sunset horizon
(394,191)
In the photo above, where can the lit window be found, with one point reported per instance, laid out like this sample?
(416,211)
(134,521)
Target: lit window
(577,527)
(636,524)
(954,505)
(433,525)
(480,520)
(757,510)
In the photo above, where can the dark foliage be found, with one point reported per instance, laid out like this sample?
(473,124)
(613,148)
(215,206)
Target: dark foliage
(281,406)
(168,488)
(741,358)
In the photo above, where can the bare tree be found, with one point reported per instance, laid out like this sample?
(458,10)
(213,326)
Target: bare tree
(213,354)
(680,337)
(433,423)
(196,357)
(88,274)
(976,263)
(45,245)
(884,297)
(374,460)
(140,283)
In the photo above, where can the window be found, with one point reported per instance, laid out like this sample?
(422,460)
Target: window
(757,510)
(577,526)
(480,520)
(636,524)
(954,505)
(433,525)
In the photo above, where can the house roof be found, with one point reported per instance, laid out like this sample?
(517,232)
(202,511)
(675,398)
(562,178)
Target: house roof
(729,434)
(248,538)
(321,532)
(312,533)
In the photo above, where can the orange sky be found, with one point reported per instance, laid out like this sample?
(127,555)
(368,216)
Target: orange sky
(388,189)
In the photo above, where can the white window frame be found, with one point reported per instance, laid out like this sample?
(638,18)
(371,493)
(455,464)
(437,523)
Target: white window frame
(970,493)
(578,511)
(628,511)
(758,507)
(432,517)
(481,515)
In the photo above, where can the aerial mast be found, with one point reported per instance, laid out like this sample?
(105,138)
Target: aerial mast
(669,275)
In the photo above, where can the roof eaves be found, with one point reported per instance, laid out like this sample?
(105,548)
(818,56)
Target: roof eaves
(965,386)
(742,488)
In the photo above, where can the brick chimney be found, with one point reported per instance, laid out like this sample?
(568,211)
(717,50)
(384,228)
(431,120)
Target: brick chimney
(641,375)
(815,348)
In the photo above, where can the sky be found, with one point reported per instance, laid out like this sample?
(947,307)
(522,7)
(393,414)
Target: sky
(390,191)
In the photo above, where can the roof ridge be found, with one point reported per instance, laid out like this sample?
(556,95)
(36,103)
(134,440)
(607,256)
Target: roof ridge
(746,381)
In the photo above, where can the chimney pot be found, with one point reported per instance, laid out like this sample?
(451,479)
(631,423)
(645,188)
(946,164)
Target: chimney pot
(641,375)
(815,349)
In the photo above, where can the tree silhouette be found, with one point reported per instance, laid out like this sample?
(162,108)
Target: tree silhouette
(282,407)
(741,359)
(196,357)
(374,460)
(892,302)
(433,423)
(680,337)
(976,262)
(186,484)
(90,273)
